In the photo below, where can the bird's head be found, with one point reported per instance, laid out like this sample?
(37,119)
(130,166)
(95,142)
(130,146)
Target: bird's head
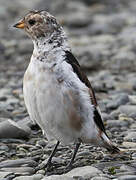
(39,24)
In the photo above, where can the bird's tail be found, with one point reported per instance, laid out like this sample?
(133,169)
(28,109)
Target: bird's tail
(109,145)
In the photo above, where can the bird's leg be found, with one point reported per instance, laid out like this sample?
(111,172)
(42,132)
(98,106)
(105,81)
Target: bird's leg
(48,165)
(69,166)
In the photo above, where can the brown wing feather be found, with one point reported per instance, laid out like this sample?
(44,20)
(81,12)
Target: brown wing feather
(81,75)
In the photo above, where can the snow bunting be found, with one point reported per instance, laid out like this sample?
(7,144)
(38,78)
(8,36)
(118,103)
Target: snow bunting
(57,94)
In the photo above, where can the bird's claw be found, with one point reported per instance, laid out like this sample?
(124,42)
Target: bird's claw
(49,165)
(68,168)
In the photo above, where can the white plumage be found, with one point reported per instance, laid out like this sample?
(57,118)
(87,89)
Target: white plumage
(48,100)
(58,96)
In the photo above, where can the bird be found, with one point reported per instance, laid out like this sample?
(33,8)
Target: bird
(57,93)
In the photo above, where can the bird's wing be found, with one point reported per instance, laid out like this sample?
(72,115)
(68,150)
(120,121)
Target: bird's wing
(81,75)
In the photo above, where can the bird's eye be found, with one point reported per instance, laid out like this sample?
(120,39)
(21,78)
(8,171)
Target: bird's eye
(31,22)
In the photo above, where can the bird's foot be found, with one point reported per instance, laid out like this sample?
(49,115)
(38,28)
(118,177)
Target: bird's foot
(49,166)
(68,168)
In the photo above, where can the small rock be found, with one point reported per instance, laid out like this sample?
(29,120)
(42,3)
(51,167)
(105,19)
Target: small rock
(85,172)
(128,168)
(41,143)
(123,117)
(18,162)
(4,147)
(114,114)
(2,119)
(117,101)
(127,177)
(130,137)
(116,123)
(5,174)
(134,156)
(41,172)
(134,86)
(132,100)
(99,178)
(34,177)
(10,129)
(26,122)
(124,59)
(127,109)
(20,170)
(58,177)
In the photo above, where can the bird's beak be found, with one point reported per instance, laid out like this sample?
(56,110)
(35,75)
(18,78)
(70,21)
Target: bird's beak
(20,24)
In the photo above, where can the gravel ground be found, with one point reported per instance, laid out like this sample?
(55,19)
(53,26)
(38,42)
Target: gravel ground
(102,34)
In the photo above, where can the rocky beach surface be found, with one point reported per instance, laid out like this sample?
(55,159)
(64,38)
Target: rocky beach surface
(102,35)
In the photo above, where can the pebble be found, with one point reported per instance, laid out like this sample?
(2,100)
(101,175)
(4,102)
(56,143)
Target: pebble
(85,172)
(123,58)
(116,123)
(34,177)
(41,172)
(130,137)
(128,168)
(4,147)
(5,174)
(123,117)
(18,162)
(19,170)
(26,122)
(10,129)
(127,177)
(99,178)
(132,99)
(134,156)
(117,101)
(58,177)
(41,143)
(129,144)
(127,109)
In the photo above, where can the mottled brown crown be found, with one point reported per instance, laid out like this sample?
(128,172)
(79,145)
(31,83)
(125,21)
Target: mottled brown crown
(38,24)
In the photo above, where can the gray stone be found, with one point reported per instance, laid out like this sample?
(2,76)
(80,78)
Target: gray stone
(4,148)
(18,162)
(128,168)
(117,101)
(123,59)
(134,156)
(10,129)
(85,172)
(106,116)
(134,86)
(129,144)
(58,177)
(20,170)
(99,178)
(26,122)
(127,177)
(116,123)
(130,137)
(41,172)
(2,119)
(13,101)
(5,174)
(127,109)
(34,177)
(132,99)
(41,143)
(114,114)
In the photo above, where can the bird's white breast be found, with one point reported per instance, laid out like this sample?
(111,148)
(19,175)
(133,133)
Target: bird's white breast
(59,102)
